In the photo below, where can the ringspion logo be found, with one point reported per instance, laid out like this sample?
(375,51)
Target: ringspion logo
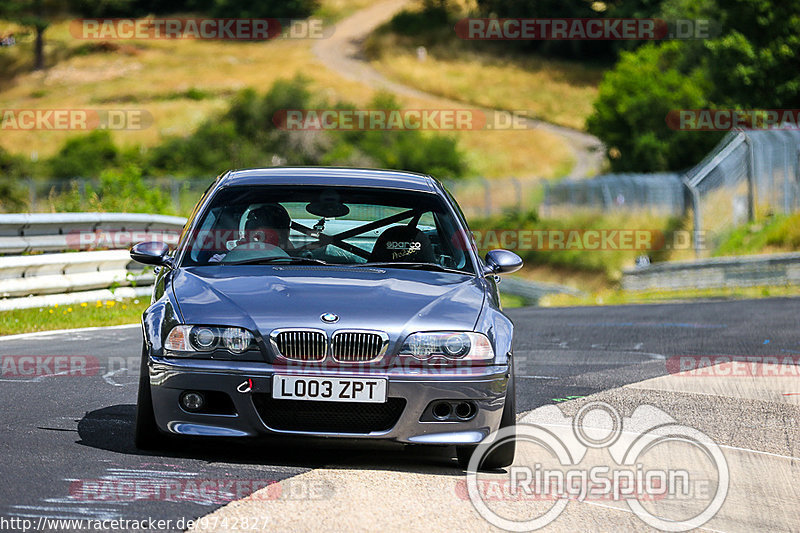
(671,476)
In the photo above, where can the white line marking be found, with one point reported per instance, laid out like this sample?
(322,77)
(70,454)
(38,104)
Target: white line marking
(624,510)
(36,379)
(108,375)
(538,377)
(61,331)
(759,452)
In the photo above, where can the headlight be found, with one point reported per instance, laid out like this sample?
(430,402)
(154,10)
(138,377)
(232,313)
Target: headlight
(185,340)
(444,347)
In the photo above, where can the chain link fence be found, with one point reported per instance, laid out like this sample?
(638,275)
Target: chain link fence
(749,174)
(46,195)
(478,197)
(483,197)
(659,192)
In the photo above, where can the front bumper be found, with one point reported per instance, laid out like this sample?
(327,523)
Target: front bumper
(484,386)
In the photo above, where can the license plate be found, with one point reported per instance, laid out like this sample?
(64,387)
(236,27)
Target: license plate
(329,389)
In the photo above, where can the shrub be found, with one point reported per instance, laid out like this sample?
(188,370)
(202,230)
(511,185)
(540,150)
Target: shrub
(608,262)
(406,149)
(216,8)
(263,8)
(245,136)
(430,18)
(119,190)
(85,156)
(13,169)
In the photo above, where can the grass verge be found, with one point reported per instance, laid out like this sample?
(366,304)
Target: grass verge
(620,297)
(557,91)
(180,84)
(559,241)
(776,234)
(511,301)
(81,315)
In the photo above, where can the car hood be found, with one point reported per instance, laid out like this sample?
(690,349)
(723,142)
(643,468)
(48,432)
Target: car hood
(265,297)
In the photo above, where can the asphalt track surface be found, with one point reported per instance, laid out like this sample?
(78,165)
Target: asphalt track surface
(63,433)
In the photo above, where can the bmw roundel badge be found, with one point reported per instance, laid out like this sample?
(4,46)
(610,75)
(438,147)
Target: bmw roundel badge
(330,318)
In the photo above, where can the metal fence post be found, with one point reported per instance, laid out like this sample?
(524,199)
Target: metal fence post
(543,208)
(787,189)
(487,192)
(697,216)
(32,195)
(82,192)
(175,191)
(751,193)
(518,189)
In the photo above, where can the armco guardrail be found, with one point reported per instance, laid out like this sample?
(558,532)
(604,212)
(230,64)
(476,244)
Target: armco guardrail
(532,291)
(40,279)
(23,275)
(57,232)
(45,279)
(737,271)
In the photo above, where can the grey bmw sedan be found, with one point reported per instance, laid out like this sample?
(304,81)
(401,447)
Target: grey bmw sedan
(327,302)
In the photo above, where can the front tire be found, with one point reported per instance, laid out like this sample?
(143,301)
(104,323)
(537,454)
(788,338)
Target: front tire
(500,456)
(147,436)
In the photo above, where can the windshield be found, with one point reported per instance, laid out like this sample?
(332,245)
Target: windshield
(323,225)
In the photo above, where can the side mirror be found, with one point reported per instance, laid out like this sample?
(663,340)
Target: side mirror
(151,253)
(502,262)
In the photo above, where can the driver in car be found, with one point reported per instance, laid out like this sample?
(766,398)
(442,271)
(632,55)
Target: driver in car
(266,226)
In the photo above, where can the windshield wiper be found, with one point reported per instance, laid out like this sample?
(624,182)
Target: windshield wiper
(417,266)
(282,260)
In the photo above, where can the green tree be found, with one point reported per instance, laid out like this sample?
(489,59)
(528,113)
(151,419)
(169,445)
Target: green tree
(756,62)
(632,105)
(753,63)
(264,8)
(35,14)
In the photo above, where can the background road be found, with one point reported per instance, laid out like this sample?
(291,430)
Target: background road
(59,430)
(342,54)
